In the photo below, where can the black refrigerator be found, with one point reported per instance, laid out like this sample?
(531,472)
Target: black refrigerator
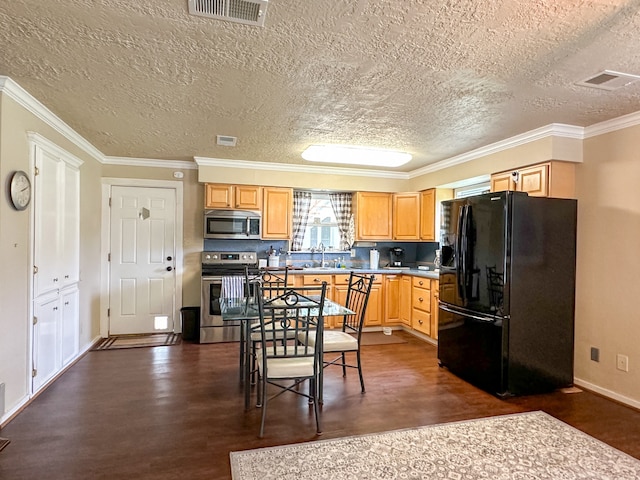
(507,292)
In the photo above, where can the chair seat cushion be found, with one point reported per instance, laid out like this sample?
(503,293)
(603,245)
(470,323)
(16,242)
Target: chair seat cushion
(334,341)
(288,367)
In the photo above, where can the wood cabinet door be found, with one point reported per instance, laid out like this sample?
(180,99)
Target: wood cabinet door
(375,312)
(428,215)
(277,213)
(435,295)
(406,216)
(218,195)
(392,299)
(248,197)
(373,216)
(534,180)
(501,182)
(405,300)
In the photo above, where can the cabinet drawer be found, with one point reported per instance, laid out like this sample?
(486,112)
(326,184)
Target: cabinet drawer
(421,299)
(421,321)
(344,279)
(316,279)
(421,282)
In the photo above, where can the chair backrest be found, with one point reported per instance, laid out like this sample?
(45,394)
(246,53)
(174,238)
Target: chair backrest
(275,280)
(357,301)
(294,314)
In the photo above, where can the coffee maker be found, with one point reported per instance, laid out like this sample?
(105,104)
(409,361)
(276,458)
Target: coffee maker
(397,255)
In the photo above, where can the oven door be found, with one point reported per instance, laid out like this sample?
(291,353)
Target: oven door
(212,328)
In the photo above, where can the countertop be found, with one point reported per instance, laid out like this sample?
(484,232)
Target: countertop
(432,274)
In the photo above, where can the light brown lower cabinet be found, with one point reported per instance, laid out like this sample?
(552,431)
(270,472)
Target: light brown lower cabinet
(421,303)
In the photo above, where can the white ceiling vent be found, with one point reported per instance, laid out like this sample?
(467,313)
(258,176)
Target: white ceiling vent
(609,80)
(226,141)
(249,12)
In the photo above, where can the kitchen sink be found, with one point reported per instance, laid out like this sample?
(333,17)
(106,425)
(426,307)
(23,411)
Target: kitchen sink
(325,269)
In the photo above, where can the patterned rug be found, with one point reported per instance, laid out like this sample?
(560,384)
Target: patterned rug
(136,341)
(526,446)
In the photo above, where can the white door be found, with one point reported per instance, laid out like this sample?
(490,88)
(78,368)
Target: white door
(142,267)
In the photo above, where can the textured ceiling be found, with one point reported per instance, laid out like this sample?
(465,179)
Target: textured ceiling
(435,78)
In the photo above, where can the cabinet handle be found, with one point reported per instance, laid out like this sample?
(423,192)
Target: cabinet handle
(420,322)
(420,282)
(421,299)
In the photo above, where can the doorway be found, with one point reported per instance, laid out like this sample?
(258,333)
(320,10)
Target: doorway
(142,244)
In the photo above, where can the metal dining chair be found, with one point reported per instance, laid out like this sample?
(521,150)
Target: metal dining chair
(285,364)
(273,283)
(347,340)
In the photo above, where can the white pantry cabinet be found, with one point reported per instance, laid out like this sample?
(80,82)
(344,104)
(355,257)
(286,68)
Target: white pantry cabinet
(56,259)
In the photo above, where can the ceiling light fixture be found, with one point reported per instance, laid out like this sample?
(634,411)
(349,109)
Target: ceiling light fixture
(349,154)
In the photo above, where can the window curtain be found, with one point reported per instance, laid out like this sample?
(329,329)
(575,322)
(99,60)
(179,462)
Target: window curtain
(341,203)
(301,207)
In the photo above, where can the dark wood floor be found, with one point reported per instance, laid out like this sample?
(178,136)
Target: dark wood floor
(177,412)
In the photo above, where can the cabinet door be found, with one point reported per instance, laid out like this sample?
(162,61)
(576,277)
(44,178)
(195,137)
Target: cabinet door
(405,300)
(428,215)
(406,216)
(435,295)
(218,195)
(47,222)
(375,313)
(70,223)
(534,180)
(373,216)
(69,320)
(392,299)
(248,197)
(501,182)
(46,340)
(277,213)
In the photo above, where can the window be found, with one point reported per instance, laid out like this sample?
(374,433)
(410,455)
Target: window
(322,226)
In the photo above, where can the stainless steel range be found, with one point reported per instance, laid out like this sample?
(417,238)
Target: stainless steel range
(215,266)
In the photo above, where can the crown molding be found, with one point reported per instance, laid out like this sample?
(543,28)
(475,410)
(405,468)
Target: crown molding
(625,121)
(551,130)
(27,101)
(150,162)
(294,168)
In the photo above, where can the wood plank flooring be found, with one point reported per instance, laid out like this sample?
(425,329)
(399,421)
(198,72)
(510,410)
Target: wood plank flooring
(176,412)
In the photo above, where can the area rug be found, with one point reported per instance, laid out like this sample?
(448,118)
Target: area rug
(523,446)
(379,338)
(137,341)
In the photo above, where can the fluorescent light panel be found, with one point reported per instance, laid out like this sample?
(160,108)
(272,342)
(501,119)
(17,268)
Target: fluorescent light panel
(349,154)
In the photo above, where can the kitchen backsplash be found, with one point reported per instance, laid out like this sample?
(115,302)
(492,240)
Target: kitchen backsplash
(415,253)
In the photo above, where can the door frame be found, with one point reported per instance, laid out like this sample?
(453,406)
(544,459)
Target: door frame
(105,293)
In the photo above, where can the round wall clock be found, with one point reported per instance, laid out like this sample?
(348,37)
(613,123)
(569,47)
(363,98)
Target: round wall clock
(20,190)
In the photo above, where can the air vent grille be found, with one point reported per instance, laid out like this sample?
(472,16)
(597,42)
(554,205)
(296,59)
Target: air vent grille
(609,80)
(226,140)
(248,12)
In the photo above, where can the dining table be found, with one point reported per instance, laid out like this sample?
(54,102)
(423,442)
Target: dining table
(246,311)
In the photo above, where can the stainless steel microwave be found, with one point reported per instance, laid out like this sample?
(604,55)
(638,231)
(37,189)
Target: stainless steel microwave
(229,224)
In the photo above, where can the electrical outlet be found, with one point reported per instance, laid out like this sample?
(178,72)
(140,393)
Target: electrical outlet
(622,362)
(595,354)
(353,253)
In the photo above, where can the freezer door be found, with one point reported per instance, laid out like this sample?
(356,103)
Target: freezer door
(474,350)
(474,253)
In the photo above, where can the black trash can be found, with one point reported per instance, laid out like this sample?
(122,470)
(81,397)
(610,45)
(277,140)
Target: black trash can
(190,323)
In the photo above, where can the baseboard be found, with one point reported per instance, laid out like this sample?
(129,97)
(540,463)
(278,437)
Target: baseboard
(607,393)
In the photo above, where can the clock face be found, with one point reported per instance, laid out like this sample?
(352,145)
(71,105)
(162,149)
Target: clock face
(20,190)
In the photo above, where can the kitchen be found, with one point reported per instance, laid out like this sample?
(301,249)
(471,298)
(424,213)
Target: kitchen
(601,149)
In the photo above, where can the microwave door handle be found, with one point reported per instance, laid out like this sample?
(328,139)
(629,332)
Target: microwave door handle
(248,229)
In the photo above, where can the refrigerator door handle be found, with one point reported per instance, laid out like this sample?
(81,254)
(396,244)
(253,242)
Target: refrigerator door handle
(458,252)
(464,243)
(470,315)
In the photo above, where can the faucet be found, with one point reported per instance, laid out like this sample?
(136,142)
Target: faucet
(322,249)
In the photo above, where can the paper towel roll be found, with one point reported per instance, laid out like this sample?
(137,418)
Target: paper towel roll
(374,259)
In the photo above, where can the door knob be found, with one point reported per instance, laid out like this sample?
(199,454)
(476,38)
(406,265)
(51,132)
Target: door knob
(169,258)
(169,269)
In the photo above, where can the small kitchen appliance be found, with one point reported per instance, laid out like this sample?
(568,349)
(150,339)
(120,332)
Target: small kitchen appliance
(397,254)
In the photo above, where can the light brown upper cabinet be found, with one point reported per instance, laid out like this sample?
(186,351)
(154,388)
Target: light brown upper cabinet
(549,179)
(373,215)
(428,215)
(277,213)
(406,216)
(241,197)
